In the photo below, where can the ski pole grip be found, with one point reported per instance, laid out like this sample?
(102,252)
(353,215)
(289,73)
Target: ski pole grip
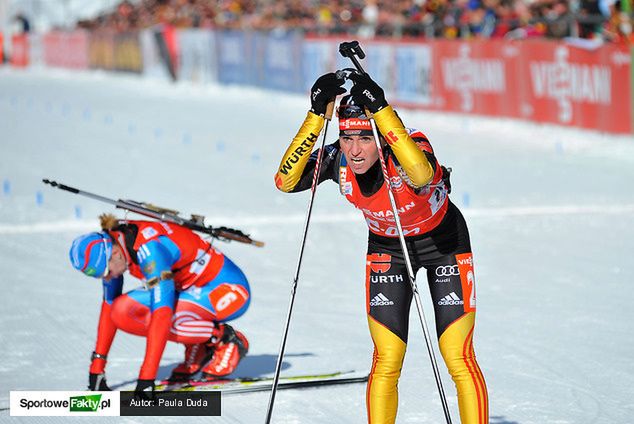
(60,186)
(352,50)
(329,110)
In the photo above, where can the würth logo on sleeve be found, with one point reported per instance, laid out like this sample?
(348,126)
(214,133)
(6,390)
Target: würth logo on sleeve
(305,147)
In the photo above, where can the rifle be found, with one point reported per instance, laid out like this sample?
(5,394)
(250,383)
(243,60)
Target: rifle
(196,223)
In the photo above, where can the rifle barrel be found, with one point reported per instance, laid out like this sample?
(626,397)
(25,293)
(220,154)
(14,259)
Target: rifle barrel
(222,233)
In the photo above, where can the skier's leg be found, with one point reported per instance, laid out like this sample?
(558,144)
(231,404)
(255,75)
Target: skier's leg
(200,323)
(225,298)
(131,312)
(199,309)
(388,299)
(452,286)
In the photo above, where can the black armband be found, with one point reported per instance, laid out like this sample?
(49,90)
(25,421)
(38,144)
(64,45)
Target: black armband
(96,355)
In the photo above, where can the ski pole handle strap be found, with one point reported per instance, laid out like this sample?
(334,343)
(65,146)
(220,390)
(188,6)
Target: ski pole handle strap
(330,108)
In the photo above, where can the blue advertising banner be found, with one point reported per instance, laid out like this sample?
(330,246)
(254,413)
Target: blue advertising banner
(413,74)
(282,61)
(318,58)
(379,63)
(233,51)
(257,73)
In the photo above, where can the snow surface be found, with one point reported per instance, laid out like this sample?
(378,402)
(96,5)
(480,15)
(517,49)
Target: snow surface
(550,212)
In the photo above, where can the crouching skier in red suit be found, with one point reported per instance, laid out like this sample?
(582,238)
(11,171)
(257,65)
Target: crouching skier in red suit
(191,291)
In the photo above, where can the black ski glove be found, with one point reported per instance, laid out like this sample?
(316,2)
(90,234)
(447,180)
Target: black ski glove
(367,93)
(97,383)
(144,389)
(325,89)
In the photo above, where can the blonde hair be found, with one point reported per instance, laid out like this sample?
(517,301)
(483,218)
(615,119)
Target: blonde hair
(108,221)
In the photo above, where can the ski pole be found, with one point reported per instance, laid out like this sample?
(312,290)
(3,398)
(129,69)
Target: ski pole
(351,50)
(165,215)
(313,190)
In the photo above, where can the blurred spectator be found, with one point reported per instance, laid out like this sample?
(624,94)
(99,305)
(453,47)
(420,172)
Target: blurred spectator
(591,19)
(370,15)
(23,22)
(618,27)
(382,18)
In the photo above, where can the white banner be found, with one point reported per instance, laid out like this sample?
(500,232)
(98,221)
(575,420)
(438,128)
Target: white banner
(197,50)
(36,50)
(153,65)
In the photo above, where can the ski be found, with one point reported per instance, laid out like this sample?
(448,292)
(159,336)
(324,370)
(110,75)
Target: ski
(257,384)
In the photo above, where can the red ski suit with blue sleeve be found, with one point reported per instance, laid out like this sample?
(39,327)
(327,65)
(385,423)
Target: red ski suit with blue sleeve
(189,285)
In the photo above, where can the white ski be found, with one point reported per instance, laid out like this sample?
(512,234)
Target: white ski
(244,385)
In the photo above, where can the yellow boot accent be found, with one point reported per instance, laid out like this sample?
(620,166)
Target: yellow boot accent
(456,347)
(296,157)
(382,389)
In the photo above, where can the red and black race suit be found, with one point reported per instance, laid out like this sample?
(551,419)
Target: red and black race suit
(389,293)
(438,240)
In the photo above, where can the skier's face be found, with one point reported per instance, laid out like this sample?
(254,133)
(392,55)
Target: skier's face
(360,152)
(117,264)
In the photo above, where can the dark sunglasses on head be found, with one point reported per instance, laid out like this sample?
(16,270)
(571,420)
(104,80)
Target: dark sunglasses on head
(351,111)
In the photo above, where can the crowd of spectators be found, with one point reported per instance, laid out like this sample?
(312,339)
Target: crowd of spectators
(605,20)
